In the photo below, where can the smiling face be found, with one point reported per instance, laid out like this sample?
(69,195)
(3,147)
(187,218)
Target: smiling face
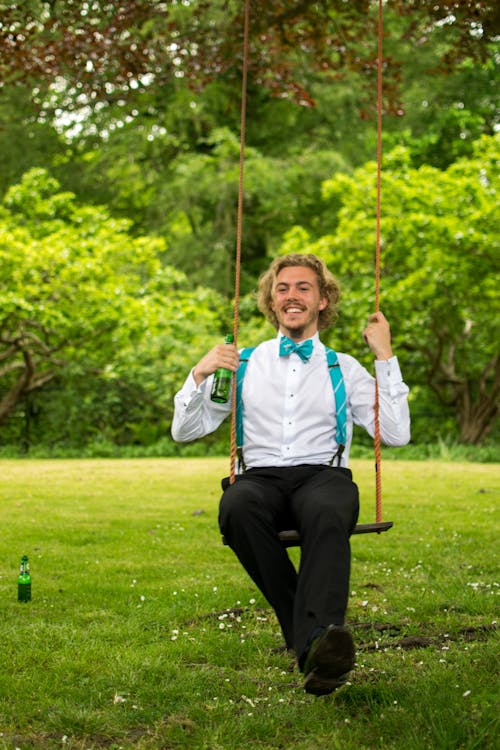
(297,302)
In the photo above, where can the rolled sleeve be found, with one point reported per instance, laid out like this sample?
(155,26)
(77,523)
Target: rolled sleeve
(195,414)
(393,403)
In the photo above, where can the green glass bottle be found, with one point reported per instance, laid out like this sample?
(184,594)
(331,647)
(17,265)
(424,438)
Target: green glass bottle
(24,581)
(222,380)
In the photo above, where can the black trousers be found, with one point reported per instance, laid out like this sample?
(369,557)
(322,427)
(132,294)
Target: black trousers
(322,502)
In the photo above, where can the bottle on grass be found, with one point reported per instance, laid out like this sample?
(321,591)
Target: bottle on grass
(24,581)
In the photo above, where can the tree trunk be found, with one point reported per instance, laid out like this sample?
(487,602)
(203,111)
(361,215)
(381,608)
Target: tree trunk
(27,382)
(9,402)
(476,422)
(476,416)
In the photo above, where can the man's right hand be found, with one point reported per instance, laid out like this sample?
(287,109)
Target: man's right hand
(222,355)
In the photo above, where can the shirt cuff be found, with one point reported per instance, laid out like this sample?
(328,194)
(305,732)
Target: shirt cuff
(388,373)
(191,391)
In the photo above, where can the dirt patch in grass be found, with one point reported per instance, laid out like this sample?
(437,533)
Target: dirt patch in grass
(365,631)
(471,633)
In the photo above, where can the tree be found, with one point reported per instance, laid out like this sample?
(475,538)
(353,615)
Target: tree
(83,301)
(108,50)
(128,108)
(25,141)
(199,206)
(440,275)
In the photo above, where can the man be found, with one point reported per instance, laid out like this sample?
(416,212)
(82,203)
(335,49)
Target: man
(295,473)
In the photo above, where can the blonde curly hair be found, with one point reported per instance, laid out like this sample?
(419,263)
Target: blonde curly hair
(329,287)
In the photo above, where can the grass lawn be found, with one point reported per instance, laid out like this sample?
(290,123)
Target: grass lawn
(144,632)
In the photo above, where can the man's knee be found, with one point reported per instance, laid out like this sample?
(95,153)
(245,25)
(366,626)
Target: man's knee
(333,501)
(238,503)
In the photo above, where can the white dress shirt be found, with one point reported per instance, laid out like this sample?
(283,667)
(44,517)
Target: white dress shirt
(289,407)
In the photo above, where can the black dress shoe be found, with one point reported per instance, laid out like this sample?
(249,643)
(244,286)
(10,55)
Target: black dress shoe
(329,660)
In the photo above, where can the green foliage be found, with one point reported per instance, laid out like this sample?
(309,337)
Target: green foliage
(69,271)
(189,196)
(439,242)
(26,139)
(91,316)
(134,124)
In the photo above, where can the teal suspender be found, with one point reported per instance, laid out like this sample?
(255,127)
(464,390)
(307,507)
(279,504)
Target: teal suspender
(340,402)
(338,392)
(244,357)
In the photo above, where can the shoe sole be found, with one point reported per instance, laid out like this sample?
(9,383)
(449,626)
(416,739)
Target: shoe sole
(315,684)
(332,661)
(334,655)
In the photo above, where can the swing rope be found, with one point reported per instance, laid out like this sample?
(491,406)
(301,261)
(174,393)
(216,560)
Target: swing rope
(377,447)
(237,269)
(378,476)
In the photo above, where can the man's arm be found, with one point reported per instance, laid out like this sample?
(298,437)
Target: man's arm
(394,415)
(195,414)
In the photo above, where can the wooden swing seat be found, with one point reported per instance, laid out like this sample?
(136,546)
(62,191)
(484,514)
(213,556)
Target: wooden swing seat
(291,537)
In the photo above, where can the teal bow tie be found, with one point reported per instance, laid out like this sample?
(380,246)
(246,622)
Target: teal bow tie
(304,350)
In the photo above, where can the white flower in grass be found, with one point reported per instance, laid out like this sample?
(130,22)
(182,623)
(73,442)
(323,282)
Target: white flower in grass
(119,699)
(467,692)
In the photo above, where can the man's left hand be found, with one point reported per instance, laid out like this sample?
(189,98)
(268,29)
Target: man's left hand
(377,335)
